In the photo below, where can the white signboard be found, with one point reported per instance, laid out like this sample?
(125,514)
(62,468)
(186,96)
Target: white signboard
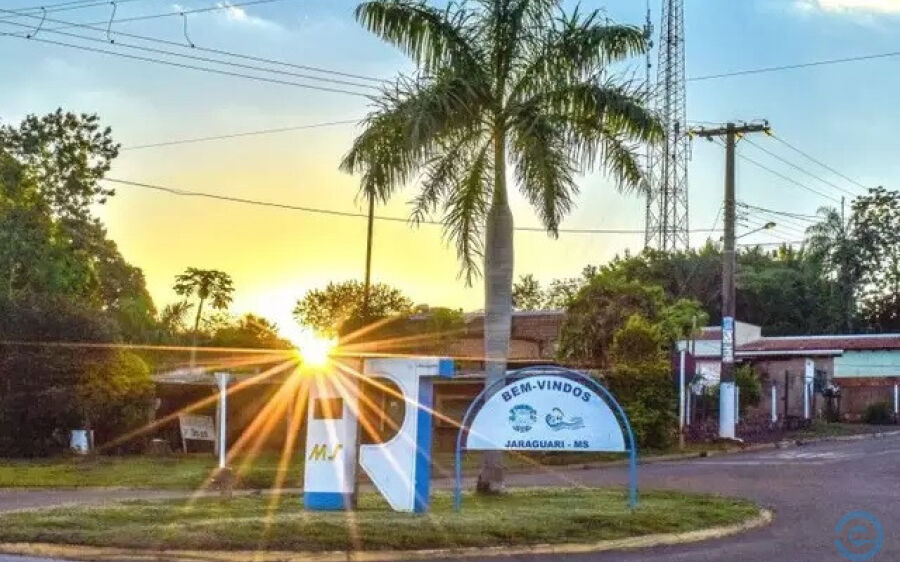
(809,372)
(728,339)
(545,413)
(199,428)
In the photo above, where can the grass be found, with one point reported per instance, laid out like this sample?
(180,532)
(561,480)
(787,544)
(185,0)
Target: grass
(820,428)
(520,517)
(188,472)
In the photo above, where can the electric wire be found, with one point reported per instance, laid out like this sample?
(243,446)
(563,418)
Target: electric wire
(779,68)
(799,168)
(819,162)
(201,68)
(196,57)
(333,212)
(239,135)
(193,47)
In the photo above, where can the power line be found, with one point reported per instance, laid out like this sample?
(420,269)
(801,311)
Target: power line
(200,68)
(197,58)
(332,212)
(784,213)
(782,176)
(63,7)
(243,134)
(766,69)
(193,47)
(819,162)
(801,169)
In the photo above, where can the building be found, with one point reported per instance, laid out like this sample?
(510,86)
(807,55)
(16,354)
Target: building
(865,367)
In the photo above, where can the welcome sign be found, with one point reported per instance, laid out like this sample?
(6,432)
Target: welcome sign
(550,412)
(546,409)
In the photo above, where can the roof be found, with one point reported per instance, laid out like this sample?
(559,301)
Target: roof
(822,343)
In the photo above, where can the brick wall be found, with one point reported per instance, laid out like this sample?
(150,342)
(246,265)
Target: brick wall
(773,370)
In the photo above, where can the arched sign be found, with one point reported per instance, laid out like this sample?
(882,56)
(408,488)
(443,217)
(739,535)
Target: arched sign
(546,409)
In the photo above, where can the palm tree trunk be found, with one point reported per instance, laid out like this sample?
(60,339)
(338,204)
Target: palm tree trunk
(498,276)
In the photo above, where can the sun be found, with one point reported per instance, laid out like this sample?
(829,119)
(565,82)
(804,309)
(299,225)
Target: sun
(315,350)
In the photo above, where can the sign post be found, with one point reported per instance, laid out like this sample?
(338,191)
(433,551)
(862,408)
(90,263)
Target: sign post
(222,383)
(546,409)
(809,374)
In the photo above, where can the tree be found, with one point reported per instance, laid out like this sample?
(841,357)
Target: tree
(338,309)
(876,239)
(115,395)
(640,379)
(830,242)
(250,331)
(500,82)
(599,310)
(527,294)
(208,284)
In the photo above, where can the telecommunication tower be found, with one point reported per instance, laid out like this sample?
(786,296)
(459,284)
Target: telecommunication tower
(667,226)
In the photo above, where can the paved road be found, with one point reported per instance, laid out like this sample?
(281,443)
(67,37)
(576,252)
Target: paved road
(810,488)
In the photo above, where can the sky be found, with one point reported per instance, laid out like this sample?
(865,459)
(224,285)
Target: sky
(844,115)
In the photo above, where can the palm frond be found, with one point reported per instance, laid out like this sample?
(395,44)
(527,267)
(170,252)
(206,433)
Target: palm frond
(442,174)
(431,37)
(576,48)
(544,170)
(413,121)
(465,209)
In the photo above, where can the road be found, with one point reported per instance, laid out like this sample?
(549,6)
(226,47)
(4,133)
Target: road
(810,488)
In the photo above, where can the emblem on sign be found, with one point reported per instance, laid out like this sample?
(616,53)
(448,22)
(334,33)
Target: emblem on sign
(522,418)
(556,420)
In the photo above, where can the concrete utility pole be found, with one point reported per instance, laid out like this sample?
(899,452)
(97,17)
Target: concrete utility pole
(731,132)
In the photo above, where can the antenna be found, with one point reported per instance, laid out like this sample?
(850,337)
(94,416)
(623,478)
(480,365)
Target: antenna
(667,224)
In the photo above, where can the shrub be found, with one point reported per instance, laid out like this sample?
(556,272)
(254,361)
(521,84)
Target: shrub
(879,413)
(640,380)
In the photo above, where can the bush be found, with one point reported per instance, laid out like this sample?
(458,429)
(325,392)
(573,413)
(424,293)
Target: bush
(641,382)
(879,413)
(115,395)
(748,382)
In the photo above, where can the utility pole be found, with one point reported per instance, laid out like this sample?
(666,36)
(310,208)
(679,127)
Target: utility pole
(731,132)
(367,288)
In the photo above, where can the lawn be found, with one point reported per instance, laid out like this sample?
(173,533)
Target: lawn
(520,517)
(188,472)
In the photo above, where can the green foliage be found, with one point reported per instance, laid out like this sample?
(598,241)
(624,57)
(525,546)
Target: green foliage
(507,81)
(209,285)
(876,240)
(605,303)
(527,294)
(747,381)
(39,380)
(339,308)
(599,311)
(248,331)
(879,413)
(641,381)
(115,395)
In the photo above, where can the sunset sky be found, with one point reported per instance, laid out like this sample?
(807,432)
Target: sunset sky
(844,115)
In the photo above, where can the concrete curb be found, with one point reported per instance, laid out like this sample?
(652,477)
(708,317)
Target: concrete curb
(108,554)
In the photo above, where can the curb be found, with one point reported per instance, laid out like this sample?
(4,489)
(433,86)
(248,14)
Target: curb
(109,554)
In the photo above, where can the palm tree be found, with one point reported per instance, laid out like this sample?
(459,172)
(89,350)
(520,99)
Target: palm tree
(831,243)
(499,82)
(209,285)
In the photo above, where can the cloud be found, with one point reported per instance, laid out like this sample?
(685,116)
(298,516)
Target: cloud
(850,6)
(237,14)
